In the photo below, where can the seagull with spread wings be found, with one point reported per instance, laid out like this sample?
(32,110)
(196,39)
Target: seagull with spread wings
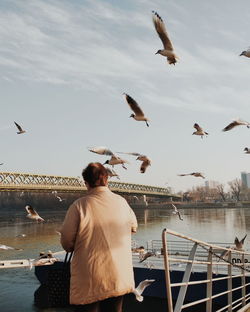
(238,246)
(32,214)
(195,174)
(138,113)
(160,28)
(239,243)
(145,160)
(20,129)
(176,211)
(140,288)
(199,131)
(114,160)
(236,123)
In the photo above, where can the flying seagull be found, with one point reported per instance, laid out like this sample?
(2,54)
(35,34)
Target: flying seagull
(5,247)
(236,123)
(195,174)
(112,173)
(138,113)
(145,160)
(199,131)
(176,211)
(160,28)
(32,214)
(239,244)
(20,130)
(140,288)
(247,150)
(101,150)
(60,198)
(246,53)
(115,160)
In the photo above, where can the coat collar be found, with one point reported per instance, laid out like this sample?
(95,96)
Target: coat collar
(98,189)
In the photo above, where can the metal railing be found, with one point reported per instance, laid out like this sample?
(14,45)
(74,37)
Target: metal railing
(205,261)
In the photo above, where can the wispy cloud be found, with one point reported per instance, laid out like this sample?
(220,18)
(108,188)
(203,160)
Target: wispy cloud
(94,44)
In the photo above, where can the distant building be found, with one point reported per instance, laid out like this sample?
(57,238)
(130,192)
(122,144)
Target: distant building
(211,184)
(245,179)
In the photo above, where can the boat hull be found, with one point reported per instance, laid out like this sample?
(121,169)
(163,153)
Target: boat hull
(155,294)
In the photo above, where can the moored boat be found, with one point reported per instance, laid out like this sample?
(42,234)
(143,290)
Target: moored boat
(190,274)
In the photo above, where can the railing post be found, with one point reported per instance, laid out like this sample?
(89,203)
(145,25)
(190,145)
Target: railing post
(229,283)
(185,279)
(243,280)
(210,283)
(167,274)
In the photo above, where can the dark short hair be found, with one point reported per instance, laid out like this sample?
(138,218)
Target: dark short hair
(95,174)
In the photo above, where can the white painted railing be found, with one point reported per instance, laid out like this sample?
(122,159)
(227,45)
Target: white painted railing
(206,262)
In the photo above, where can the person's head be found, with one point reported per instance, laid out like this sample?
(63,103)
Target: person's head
(95,174)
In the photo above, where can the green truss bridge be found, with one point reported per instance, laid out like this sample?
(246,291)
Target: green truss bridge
(11,181)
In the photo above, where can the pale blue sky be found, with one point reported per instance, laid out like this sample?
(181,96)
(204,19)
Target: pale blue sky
(65,64)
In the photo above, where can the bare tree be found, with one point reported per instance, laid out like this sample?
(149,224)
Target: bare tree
(203,194)
(236,188)
(221,191)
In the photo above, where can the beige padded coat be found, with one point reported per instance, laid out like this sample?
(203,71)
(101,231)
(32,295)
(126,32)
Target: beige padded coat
(98,228)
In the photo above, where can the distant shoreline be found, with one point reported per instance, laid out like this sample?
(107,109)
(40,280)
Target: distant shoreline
(192,205)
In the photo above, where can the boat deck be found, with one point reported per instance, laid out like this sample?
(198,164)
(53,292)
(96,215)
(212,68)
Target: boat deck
(189,274)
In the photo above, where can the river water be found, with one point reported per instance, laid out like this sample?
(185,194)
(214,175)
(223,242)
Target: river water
(17,286)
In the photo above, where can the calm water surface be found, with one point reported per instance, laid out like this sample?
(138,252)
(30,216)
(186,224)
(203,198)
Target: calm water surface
(17,286)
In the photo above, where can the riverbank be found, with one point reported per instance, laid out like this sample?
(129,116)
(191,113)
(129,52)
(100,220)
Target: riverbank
(188,205)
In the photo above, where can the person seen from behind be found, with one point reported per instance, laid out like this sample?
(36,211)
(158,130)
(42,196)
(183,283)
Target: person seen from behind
(97,228)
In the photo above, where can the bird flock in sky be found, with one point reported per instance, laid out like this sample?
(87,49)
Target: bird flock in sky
(138,115)
(168,52)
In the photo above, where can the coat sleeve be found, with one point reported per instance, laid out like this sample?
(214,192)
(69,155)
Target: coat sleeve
(70,228)
(134,224)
